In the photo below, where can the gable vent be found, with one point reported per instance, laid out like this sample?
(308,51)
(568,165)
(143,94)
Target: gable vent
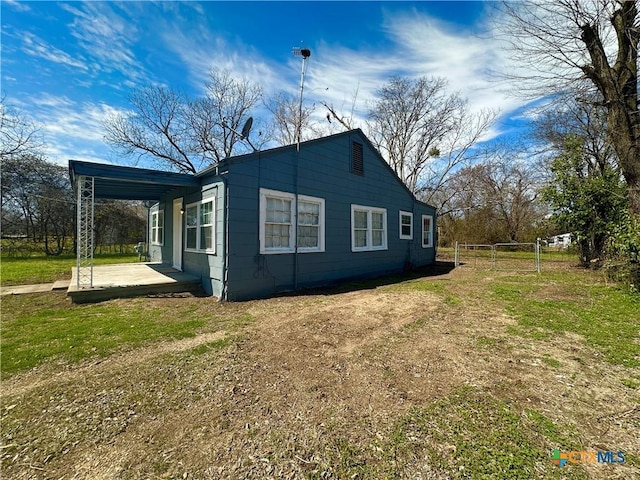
(357,160)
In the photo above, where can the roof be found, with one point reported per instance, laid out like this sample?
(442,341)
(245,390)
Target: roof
(130,183)
(225,163)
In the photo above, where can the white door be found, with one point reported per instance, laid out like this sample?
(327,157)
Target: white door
(177,233)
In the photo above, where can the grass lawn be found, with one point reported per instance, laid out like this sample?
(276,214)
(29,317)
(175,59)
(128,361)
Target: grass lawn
(466,374)
(47,329)
(608,318)
(32,270)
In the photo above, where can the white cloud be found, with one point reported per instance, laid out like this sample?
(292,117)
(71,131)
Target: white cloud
(71,129)
(199,50)
(34,46)
(421,46)
(110,34)
(18,6)
(107,36)
(465,58)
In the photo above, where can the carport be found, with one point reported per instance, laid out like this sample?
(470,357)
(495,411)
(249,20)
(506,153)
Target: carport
(93,181)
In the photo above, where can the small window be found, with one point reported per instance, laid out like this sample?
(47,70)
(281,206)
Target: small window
(368,228)
(278,215)
(427,231)
(157,227)
(206,225)
(357,158)
(199,226)
(406,225)
(192,227)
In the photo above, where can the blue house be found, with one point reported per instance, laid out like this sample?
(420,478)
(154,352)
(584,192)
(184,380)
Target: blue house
(280,219)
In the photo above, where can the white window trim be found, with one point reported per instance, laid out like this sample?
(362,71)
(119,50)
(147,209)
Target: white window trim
(155,230)
(410,215)
(264,193)
(198,204)
(320,202)
(369,211)
(430,244)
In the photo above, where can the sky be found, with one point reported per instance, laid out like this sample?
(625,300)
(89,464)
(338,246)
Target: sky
(70,65)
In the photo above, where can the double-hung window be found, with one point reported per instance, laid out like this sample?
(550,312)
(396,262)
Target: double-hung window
(279,215)
(368,228)
(427,231)
(276,222)
(199,225)
(310,224)
(406,225)
(157,227)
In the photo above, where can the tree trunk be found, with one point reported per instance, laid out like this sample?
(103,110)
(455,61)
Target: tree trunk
(618,85)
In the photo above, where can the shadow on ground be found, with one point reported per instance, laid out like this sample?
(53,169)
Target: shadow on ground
(437,269)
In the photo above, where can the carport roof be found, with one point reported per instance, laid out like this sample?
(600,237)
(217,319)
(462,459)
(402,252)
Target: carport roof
(130,183)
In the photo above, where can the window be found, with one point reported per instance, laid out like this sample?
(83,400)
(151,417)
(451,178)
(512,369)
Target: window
(206,225)
(278,217)
(368,228)
(276,222)
(199,226)
(427,231)
(357,158)
(157,227)
(310,224)
(406,225)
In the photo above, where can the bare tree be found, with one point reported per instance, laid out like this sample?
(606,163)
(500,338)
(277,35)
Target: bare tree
(217,117)
(576,119)
(285,109)
(158,127)
(457,150)
(424,132)
(581,45)
(118,223)
(18,133)
(186,134)
(494,201)
(347,121)
(37,201)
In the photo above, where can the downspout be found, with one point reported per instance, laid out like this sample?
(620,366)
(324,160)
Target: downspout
(436,233)
(225,237)
(147,234)
(412,243)
(295,220)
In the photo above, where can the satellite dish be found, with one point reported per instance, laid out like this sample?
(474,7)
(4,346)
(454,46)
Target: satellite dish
(247,128)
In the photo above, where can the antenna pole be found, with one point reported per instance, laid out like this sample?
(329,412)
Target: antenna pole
(305,53)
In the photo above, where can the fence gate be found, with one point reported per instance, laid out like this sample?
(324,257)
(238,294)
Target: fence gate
(522,257)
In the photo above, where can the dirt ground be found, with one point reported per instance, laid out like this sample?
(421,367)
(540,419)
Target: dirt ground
(309,372)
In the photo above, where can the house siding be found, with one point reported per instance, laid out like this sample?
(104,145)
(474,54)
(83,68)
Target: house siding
(154,252)
(323,170)
(208,266)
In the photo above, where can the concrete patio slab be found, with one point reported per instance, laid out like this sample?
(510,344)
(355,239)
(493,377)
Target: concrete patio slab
(130,280)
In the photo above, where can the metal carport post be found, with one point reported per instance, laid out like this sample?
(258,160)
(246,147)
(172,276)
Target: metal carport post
(85,235)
